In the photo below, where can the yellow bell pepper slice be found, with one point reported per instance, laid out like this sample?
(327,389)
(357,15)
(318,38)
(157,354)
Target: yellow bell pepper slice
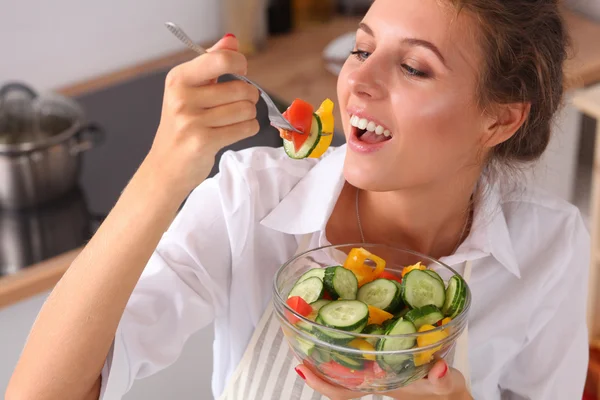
(446,320)
(361,344)
(378,316)
(325,113)
(423,357)
(355,262)
(418,265)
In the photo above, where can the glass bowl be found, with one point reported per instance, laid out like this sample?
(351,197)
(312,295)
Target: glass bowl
(347,361)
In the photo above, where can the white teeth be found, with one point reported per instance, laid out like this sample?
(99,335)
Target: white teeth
(365,124)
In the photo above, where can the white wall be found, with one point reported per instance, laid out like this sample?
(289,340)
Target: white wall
(53,43)
(188,378)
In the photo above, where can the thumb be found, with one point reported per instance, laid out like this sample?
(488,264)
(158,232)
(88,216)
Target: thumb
(227,42)
(441,378)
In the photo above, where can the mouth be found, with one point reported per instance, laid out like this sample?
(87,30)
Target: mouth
(368,131)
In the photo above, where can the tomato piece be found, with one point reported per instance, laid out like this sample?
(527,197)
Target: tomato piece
(297,304)
(285,135)
(300,115)
(350,378)
(391,276)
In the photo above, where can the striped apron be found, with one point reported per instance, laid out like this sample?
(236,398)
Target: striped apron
(266,370)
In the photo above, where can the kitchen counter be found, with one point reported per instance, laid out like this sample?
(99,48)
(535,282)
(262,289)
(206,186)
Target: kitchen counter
(290,67)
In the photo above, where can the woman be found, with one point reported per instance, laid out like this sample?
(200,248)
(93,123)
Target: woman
(467,89)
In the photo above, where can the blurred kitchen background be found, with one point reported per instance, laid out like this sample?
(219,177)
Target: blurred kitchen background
(82,85)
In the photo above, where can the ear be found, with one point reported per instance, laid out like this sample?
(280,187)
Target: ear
(504,122)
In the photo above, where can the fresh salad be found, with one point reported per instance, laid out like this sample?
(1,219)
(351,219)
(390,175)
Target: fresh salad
(316,127)
(358,298)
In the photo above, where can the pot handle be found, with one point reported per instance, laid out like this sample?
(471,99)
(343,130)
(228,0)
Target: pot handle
(17,86)
(89,136)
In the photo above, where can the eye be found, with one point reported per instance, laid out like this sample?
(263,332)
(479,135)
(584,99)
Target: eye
(361,55)
(414,72)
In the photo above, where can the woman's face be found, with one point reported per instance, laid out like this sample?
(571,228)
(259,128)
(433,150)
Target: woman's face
(415,75)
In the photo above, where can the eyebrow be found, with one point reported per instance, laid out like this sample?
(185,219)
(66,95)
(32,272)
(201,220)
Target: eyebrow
(411,42)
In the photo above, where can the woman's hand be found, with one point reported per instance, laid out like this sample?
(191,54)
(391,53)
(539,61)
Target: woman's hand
(441,383)
(200,116)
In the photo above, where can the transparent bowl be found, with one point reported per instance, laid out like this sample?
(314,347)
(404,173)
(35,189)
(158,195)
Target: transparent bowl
(366,371)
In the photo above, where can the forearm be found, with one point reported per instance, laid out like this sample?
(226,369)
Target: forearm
(71,337)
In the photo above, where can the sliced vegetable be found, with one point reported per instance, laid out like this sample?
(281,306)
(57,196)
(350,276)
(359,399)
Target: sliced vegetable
(297,304)
(423,357)
(309,140)
(420,289)
(325,113)
(350,377)
(340,283)
(381,293)
(346,315)
(391,276)
(373,329)
(316,306)
(318,272)
(396,362)
(434,274)
(426,315)
(305,346)
(309,289)
(300,115)
(456,294)
(418,265)
(361,344)
(356,263)
(378,316)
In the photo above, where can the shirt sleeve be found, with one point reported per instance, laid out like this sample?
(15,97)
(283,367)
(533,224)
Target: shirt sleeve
(182,289)
(553,362)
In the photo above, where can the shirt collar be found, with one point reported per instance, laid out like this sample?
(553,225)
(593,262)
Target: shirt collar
(308,206)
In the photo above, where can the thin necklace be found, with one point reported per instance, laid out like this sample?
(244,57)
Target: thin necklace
(362,236)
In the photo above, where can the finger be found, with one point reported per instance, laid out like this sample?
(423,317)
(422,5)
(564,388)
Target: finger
(227,135)
(326,389)
(229,114)
(441,378)
(229,42)
(207,67)
(217,94)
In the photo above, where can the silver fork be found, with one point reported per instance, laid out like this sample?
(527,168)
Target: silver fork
(275,117)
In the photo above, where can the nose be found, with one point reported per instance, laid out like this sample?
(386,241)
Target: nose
(368,80)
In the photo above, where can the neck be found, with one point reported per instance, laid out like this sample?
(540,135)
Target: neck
(431,220)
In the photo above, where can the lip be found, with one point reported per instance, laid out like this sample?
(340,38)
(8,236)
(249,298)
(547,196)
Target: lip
(361,147)
(361,113)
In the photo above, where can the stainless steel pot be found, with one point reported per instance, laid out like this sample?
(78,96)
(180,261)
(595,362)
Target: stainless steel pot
(30,236)
(40,159)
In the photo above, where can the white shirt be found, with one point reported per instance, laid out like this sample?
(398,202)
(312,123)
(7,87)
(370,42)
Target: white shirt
(529,251)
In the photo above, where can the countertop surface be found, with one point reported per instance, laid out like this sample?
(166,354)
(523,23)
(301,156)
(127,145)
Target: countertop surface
(290,67)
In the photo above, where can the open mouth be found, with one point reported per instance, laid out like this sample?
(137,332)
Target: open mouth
(369,131)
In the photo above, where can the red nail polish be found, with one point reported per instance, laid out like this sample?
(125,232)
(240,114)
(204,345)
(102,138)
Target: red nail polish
(229,35)
(300,373)
(444,371)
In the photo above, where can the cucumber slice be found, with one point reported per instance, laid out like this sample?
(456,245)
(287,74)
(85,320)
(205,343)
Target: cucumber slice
(331,337)
(373,329)
(311,142)
(305,346)
(420,289)
(427,315)
(434,274)
(321,356)
(396,362)
(401,313)
(340,283)
(354,362)
(381,293)
(318,272)
(309,289)
(316,306)
(346,315)
(456,294)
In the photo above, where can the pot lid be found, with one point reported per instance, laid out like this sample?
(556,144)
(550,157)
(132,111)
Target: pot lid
(27,117)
